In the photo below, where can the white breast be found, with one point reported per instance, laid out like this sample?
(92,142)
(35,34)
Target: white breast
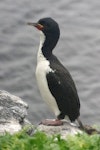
(41,70)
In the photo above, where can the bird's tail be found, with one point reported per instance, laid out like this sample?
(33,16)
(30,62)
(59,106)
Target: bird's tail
(80,124)
(88,129)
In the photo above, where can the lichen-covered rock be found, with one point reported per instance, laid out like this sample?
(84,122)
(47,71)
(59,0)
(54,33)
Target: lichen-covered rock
(12,112)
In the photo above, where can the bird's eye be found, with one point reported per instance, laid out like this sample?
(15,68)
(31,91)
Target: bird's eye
(47,25)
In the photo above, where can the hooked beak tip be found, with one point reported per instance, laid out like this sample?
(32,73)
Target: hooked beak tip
(31,24)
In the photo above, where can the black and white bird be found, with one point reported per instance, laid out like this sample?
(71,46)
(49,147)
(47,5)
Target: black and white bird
(55,83)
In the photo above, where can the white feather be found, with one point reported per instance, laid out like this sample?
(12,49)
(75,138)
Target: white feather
(41,70)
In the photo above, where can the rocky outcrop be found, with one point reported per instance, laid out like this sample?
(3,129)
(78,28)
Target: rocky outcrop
(12,113)
(64,130)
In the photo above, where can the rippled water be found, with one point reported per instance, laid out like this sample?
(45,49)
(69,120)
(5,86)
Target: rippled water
(78,49)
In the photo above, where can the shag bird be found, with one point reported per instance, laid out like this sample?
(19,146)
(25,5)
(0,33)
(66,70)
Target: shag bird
(55,83)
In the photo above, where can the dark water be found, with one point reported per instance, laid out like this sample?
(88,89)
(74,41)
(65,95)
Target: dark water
(78,49)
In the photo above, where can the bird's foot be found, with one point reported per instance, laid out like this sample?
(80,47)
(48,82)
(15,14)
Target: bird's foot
(49,122)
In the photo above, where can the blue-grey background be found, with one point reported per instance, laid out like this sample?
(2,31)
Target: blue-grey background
(78,49)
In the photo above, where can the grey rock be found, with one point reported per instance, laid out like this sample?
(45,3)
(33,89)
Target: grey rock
(64,130)
(13,111)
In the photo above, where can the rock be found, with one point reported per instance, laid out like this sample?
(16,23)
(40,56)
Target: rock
(64,130)
(12,113)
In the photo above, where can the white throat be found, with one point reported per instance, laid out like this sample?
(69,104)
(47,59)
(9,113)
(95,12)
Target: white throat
(43,68)
(40,56)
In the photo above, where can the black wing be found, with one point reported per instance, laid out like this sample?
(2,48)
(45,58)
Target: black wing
(63,89)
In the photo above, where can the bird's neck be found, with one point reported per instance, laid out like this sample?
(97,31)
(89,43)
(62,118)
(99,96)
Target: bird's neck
(46,46)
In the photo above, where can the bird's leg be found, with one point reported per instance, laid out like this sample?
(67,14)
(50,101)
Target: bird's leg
(49,122)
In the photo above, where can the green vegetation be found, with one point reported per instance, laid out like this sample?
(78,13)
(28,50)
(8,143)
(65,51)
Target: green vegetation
(40,141)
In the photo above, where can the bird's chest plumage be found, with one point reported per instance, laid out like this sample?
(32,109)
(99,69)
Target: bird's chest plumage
(42,70)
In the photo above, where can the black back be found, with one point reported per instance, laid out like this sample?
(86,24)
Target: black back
(63,89)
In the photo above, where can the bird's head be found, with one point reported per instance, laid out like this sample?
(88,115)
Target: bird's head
(48,26)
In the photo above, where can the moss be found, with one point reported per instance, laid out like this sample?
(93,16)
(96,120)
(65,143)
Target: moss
(40,141)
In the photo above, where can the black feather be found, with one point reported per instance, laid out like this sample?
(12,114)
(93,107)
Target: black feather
(63,89)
